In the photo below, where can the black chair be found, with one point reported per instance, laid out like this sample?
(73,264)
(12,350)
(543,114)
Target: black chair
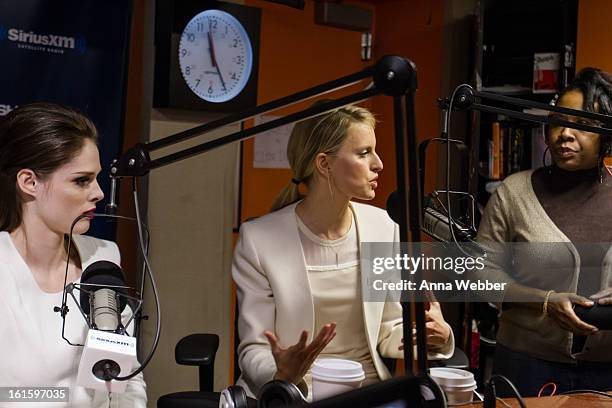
(195,350)
(200,350)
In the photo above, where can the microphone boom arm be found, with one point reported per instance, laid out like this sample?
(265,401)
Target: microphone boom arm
(466,99)
(392,76)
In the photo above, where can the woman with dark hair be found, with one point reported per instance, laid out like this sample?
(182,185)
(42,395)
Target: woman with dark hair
(49,162)
(566,203)
(298,270)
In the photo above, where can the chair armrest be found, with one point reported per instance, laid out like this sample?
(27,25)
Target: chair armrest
(197,349)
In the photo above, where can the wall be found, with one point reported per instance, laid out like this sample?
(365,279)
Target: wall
(190,219)
(295,54)
(593,47)
(412,29)
(187,212)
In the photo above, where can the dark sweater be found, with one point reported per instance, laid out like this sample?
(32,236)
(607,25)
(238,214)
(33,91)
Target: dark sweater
(581,207)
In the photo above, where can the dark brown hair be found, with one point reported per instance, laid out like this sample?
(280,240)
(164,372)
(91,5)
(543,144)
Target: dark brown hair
(41,137)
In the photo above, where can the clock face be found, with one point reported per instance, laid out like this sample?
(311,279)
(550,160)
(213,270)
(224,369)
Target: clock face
(215,56)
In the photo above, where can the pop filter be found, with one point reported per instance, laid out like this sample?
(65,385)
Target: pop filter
(102,274)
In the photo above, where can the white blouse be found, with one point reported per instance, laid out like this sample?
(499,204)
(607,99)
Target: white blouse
(333,272)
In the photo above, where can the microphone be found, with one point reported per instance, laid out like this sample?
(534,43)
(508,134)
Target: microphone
(436,225)
(108,351)
(111,207)
(435,221)
(104,305)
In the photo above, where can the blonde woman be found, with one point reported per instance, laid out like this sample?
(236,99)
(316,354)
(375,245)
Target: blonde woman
(297,269)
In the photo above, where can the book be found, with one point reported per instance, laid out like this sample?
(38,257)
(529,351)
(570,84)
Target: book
(495,137)
(546,67)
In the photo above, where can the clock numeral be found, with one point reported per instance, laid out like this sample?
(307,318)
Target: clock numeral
(183,52)
(238,59)
(200,27)
(188,71)
(235,43)
(210,89)
(213,24)
(197,82)
(190,37)
(234,76)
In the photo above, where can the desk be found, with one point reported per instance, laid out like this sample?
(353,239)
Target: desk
(559,401)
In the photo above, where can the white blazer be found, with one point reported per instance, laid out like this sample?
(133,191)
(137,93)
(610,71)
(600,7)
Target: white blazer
(274,293)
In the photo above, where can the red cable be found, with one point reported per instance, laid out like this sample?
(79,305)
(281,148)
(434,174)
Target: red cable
(546,386)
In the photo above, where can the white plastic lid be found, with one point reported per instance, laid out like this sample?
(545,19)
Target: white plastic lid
(336,369)
(454,377)
(467,387)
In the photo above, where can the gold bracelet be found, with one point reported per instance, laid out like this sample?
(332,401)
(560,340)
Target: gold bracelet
(545,304)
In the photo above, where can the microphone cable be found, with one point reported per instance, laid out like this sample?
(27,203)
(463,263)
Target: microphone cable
(147,266)
(447,133)
(153,287)
(63,310)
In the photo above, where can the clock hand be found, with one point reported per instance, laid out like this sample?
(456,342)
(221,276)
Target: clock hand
(213,57)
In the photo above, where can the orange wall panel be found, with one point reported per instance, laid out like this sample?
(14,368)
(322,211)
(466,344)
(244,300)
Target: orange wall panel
(295,54)
(412,29)
(593,47)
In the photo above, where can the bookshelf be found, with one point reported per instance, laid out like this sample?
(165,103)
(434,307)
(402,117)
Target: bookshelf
(524,49)
(510,37)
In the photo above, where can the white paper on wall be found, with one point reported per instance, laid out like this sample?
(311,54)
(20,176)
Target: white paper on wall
(271,146)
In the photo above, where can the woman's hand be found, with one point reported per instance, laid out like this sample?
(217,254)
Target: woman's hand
(438,332)
(293,362)
(603,297)
(560,308)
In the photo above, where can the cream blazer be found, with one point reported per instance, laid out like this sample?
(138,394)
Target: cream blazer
(274,293)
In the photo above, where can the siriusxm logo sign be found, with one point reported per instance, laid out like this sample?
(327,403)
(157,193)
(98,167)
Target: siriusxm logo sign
(105,340)
(5,109)
(43,42)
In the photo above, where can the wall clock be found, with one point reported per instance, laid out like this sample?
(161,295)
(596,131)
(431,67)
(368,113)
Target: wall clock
(215,56)
(206,55)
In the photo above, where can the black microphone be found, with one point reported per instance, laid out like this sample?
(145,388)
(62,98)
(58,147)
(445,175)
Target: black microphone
(102,302)
(436,225)
(435,222)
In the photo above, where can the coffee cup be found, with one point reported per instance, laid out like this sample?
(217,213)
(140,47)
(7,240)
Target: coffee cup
(458,385)
(332,376)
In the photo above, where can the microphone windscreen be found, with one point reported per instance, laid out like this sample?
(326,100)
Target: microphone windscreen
(105,274)
(393,206)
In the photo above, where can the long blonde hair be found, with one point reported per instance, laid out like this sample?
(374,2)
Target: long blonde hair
(320,134)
